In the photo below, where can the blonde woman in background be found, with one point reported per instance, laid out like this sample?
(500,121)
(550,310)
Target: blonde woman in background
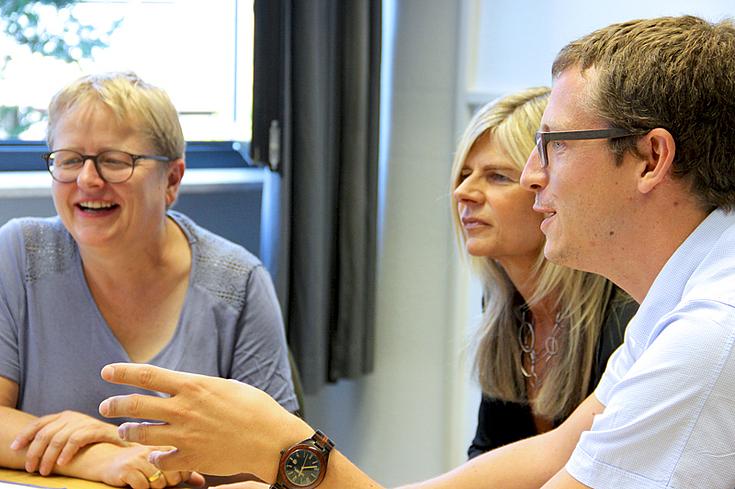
(547,330)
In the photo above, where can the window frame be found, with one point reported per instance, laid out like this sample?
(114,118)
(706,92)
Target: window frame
(22,155)
(18,155)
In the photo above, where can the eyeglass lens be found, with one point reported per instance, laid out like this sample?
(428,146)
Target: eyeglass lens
(112,166)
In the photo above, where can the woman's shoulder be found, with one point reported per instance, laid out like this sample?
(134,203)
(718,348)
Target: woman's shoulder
(213,248)
(43,244)
(222,267)
(36,233)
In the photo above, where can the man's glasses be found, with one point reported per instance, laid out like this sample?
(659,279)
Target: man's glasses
(112,166)
(544,137)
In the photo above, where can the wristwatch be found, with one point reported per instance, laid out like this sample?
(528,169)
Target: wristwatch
(304,465)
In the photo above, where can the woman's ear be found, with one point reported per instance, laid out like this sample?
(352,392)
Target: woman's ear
(657,148)
(174,174)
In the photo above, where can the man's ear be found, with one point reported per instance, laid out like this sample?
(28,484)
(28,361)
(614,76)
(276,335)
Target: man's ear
(658,149)
(174,175)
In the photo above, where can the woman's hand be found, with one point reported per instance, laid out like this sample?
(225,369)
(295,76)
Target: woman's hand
(218,426)
(56,438)
(129,466)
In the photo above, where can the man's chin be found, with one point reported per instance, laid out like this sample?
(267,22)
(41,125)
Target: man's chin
(565,257)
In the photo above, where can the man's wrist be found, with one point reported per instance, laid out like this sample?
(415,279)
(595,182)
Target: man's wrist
(292,431)
(304,464)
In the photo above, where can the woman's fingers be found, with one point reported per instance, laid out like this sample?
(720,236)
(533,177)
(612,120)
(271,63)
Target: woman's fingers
(136,479)
(162,479)
(55,439)
(45,440)
(195,479)
(36,436)
(28,433)
(159,479)
(51,452)
(81,438)
(130,466)
(243,485)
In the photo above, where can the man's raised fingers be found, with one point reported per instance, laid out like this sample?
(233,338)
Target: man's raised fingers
(145,433)
(135,406)
(144,376)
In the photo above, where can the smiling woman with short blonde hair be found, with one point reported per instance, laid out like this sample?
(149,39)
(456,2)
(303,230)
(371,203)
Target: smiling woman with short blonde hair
(118,275)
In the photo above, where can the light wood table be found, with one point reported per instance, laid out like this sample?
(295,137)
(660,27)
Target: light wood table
(22,477)
(59,481)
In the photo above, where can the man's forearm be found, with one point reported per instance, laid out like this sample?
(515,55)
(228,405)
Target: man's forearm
(525,464)
(528,463)
(343,474)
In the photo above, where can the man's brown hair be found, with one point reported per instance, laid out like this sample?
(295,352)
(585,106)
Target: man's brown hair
(677,73)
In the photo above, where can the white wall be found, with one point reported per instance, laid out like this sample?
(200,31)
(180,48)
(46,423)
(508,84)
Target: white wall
(513,42)
(395,423)
(413,417)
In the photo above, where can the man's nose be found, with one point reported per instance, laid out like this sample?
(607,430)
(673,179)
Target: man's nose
(534,176)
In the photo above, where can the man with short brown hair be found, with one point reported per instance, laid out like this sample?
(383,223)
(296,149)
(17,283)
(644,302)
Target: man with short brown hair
(634,172)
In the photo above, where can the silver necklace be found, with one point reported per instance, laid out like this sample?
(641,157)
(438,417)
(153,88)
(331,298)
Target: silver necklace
(527,342)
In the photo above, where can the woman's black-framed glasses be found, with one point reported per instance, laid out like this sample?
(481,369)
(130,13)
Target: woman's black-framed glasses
(544,137)
(112,166)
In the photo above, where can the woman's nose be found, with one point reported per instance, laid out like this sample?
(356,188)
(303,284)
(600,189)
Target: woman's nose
(467,191)
(88,175)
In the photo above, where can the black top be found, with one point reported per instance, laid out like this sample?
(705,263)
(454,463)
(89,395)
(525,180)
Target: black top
(500,423)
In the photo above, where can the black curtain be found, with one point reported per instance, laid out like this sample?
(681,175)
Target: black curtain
(325,119)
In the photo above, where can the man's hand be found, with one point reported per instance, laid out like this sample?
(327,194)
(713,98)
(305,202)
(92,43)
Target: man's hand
(56,438)
(218,426)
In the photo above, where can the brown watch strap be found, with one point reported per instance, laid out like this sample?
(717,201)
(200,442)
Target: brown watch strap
(322,441)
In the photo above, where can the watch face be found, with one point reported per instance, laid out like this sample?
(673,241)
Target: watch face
(302,468)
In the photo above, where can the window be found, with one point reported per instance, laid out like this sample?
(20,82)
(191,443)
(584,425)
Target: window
(199,52)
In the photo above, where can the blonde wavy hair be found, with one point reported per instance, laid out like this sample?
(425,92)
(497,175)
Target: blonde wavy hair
(580,298)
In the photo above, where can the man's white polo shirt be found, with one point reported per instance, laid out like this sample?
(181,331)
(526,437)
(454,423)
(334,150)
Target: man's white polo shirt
(669,390)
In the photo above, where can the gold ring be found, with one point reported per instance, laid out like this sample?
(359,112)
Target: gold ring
(155,476)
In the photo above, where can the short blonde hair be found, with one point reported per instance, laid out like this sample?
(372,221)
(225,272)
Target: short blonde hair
(579,297)
(135,103)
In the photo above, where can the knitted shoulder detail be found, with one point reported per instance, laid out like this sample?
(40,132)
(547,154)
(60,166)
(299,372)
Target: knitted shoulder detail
(223,268)
(49,248)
